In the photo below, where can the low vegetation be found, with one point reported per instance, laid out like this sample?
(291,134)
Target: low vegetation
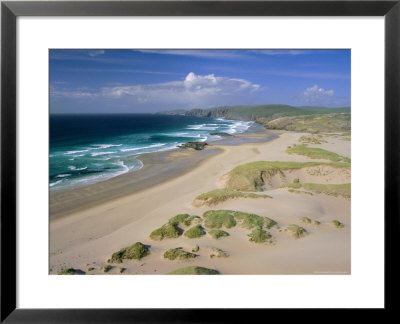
(317,123)
(184,219)
(249,221)
(336,190)
(316,153)
(258,235)
(229,218)
(69,271)
(218,253)
(219,218)
(216,234)
(250,176)
(268,222)
(195,232)
(178,253)
(297,231)
(166,231)
(217,196)
(107,268)
(312,139)
(194,270)
(306,220)
(136,251)
(337,224)
(196,248)
(317,222)
(171,229)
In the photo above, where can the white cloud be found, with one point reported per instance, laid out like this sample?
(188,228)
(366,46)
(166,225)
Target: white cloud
(316,95)
(74,94)
(199,90)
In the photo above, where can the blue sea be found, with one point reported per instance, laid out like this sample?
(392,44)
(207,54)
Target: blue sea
(86,149)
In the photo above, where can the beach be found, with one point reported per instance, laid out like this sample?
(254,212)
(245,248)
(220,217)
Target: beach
(89,224)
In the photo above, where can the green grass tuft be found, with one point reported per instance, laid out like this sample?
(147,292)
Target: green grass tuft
(107,268)
(317,222)
(196,248)
(178,253)
(268,222)
(216,234)
(136,251)
(171,229)
(297,231)
(249,221)
(166,231)
(337,224)
(69,271)
(312,139)
(184,219)
(195,232)
(306,220)
(229,218)
(258,235)
(217,196)
(194,270)
(219,218)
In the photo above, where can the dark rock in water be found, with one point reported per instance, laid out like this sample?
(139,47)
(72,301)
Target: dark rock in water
(221,134)
(194,145)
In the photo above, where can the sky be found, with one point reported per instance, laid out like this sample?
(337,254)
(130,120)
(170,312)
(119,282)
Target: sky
(147,81)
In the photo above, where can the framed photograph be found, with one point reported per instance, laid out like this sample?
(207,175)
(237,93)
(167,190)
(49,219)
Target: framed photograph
(163,158)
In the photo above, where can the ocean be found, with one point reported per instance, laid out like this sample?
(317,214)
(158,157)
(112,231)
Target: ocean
(86,149)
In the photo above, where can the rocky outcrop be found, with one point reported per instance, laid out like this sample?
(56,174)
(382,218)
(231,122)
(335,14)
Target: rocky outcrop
(194,145)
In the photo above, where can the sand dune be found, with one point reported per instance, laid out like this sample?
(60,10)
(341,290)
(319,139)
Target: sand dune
(89,237)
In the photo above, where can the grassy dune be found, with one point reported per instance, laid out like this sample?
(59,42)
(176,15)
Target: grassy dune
(171,229)
(317,139)
(316,153)
(178,253)
(317,123)
(136,251)
(195,232)
(217,196)
(258,235)
(217,234)
(229,218)
(248,177)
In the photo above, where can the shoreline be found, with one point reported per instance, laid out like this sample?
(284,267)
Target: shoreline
(87,238)
(158,167)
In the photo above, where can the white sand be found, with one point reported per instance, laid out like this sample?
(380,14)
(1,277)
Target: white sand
(91,236)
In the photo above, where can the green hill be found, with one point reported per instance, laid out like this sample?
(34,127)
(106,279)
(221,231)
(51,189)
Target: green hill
(266,112)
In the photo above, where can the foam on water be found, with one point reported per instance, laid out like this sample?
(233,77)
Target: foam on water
(118,154)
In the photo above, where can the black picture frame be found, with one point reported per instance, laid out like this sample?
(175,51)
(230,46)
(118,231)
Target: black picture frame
(9,13)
